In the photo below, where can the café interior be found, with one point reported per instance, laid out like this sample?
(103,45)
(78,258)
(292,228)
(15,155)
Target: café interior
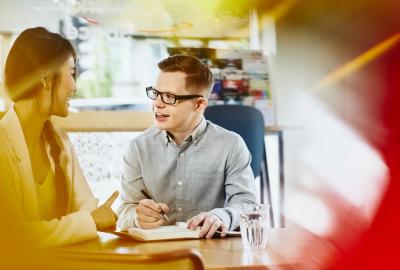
(322,79)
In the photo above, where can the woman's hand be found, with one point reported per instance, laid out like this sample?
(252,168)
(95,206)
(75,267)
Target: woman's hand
(104,216)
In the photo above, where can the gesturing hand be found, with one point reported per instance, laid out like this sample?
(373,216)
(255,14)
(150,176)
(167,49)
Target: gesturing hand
(104,216)
(210,224)
(149,213)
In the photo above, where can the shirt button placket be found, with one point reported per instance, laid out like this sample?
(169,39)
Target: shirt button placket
(181,155)
(180,191)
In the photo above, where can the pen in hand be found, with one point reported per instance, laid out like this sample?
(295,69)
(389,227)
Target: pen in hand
(151,198)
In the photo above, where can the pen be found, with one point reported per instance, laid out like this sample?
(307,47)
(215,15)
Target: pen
(151,198)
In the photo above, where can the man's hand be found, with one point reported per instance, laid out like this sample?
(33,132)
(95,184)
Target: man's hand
(104,216)
(149,213)
(210,224)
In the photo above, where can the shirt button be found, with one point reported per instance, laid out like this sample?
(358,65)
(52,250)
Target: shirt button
(180,183)
(180,209)
(181,154)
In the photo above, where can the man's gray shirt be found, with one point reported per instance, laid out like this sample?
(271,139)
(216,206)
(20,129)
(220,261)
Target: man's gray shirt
(209,172)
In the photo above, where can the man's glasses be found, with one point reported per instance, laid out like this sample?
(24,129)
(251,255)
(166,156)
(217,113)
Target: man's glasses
(167,98)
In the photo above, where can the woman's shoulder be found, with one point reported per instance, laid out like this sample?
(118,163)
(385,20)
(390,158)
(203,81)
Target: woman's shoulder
(6,147)
(60,132)
(60,136)
(4,136)
(3,124)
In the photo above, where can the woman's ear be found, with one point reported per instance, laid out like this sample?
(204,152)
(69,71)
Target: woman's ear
(48,83)
(45,83)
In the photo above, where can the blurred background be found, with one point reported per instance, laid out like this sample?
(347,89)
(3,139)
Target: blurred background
(331,85)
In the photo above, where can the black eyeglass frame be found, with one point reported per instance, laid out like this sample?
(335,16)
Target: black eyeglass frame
(177,97)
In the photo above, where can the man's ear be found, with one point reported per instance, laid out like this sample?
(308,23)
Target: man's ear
(201,104)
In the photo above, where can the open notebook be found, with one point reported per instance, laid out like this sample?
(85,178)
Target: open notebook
(177,231)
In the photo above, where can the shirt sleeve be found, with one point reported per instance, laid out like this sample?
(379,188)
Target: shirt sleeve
(131,184)
(239,184)
(75,227)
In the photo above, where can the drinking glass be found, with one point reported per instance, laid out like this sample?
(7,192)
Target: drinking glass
(254,224)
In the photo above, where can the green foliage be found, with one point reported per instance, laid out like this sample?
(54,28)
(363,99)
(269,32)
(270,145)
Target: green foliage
(99,82)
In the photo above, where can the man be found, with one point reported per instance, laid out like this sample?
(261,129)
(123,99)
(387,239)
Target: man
(194,170)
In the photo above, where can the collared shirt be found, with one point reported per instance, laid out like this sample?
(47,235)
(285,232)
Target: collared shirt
(209,172)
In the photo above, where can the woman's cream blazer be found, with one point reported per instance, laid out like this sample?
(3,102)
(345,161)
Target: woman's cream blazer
(78,224)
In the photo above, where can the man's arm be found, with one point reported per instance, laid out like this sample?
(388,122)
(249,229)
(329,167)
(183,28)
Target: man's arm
(239,189)
(239,184)
(136,211)
(131,184)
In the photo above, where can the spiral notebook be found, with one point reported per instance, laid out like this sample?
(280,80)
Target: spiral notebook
(170,232)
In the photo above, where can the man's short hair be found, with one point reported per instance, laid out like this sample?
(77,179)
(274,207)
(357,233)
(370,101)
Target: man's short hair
(198,75)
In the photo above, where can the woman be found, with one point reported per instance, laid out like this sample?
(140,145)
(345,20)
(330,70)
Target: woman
(43,171)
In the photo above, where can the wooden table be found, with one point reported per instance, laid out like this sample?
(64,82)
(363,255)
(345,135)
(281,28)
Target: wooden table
(289,248)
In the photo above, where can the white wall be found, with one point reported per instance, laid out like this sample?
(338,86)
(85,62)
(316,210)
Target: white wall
(17,15)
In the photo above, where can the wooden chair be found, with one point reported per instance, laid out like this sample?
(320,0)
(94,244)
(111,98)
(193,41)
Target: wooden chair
(186,259)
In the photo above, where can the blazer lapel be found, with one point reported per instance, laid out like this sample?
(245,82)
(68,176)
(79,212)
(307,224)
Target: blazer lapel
(25,182)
